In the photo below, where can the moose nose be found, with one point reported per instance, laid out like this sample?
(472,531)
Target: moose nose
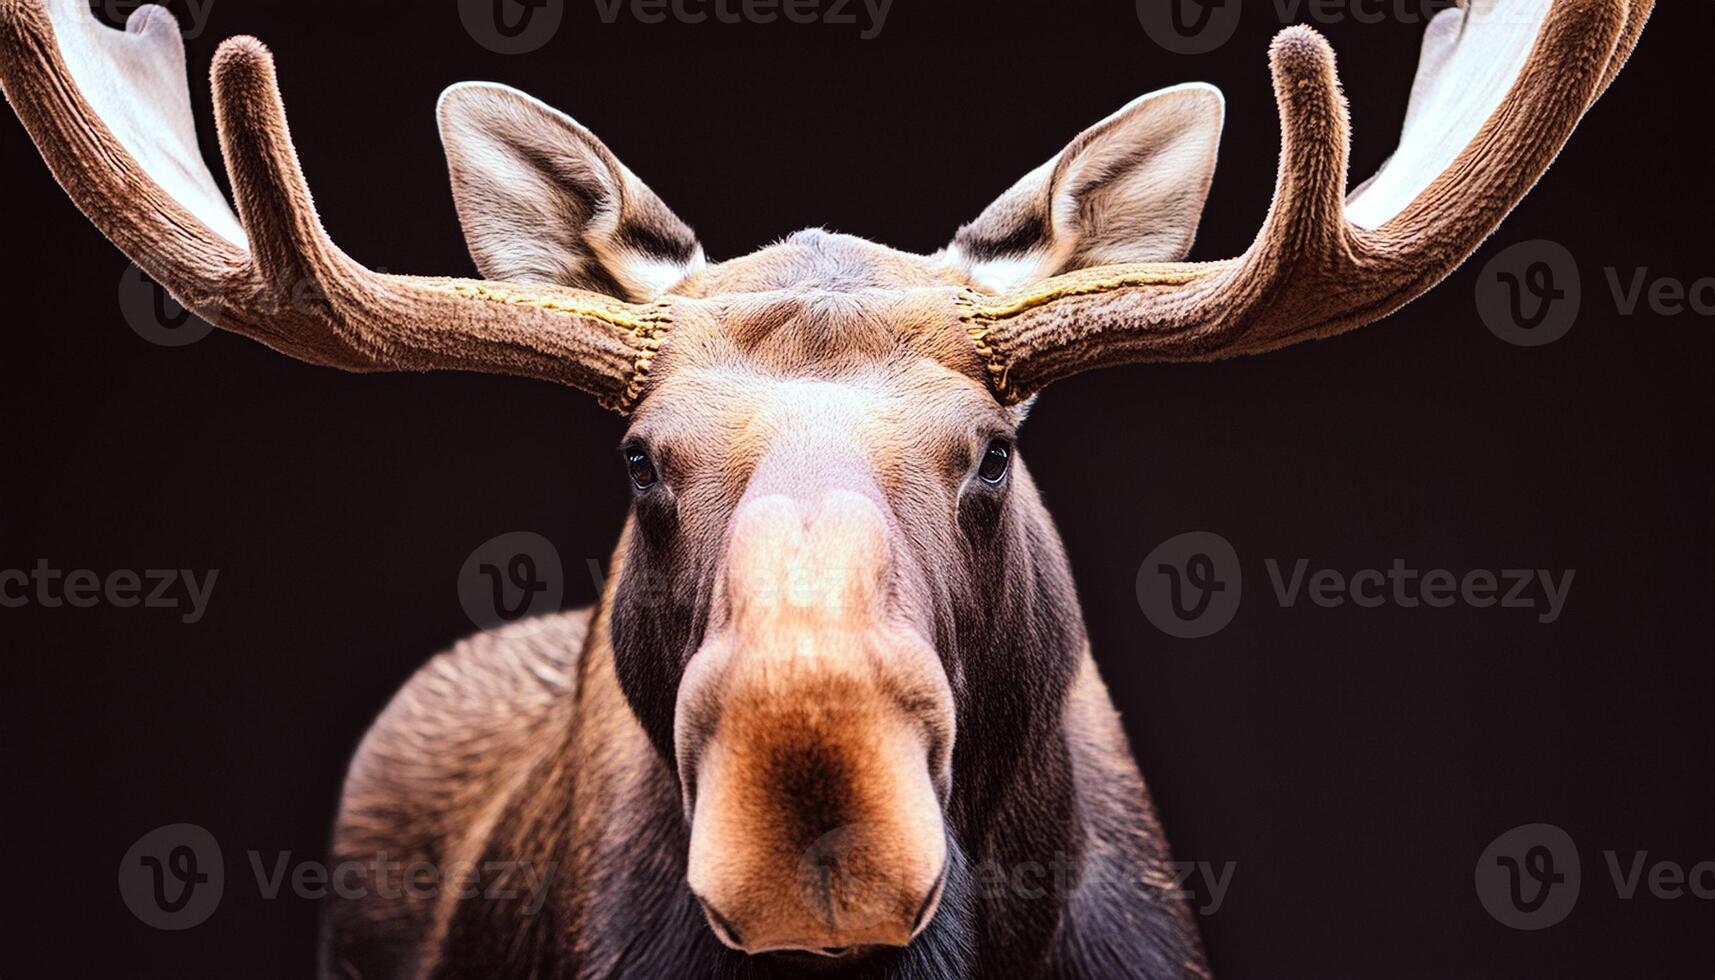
(814,732)
(816,824)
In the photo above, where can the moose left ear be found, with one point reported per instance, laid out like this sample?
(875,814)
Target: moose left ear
(1129,189)
(542,200)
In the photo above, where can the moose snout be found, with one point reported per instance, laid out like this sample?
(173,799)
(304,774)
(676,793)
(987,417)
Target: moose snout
(820,847)
(814,734)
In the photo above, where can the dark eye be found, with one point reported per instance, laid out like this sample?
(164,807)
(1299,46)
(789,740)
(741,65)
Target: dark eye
(996,459)
(638,465)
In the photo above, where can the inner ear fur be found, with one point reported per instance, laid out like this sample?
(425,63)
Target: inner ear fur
(542,200)
(1129,189)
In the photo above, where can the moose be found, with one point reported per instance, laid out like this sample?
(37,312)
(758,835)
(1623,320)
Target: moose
(871,684)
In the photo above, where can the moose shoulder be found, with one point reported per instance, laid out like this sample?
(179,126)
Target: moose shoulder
(835,712)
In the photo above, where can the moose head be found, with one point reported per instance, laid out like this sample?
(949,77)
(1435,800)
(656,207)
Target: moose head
(870,645)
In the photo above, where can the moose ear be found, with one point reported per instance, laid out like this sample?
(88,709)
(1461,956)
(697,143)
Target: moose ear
(542,200)
(1129,189)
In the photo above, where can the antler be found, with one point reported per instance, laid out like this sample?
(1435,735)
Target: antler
(110,112)
(1324,263)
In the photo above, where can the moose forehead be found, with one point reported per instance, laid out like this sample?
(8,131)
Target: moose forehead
(886,427)
(820,344)
(826,304)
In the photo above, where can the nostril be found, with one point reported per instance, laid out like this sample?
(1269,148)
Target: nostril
(724,930)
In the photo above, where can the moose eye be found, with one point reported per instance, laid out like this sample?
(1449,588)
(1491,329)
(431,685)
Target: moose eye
(996,459)
(641,469)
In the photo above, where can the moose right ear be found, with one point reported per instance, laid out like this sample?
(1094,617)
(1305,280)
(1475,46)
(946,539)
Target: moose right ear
(542,200)
(1129,189)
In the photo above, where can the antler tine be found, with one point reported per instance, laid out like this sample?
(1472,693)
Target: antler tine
(109,112)
(1313,272)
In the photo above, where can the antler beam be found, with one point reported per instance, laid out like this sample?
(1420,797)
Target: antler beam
(110,112)
(1312,271)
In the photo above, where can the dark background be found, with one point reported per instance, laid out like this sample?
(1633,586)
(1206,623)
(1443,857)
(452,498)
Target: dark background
(1353,763)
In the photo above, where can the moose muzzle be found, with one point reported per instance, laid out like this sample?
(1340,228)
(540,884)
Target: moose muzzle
(814,734)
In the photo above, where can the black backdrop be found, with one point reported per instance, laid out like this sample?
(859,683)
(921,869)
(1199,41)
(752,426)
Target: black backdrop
(1351,764)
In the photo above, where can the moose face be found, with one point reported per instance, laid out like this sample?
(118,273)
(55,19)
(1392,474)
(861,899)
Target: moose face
(828,506)
(826,490)
(820,523)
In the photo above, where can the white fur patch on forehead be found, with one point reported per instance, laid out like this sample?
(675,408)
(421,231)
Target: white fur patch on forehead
(817,561)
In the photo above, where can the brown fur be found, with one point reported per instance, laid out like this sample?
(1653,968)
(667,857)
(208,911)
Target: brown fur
(1037,774)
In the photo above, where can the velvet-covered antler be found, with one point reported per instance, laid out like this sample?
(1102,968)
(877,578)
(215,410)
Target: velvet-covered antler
(1501,86)
(110,112)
